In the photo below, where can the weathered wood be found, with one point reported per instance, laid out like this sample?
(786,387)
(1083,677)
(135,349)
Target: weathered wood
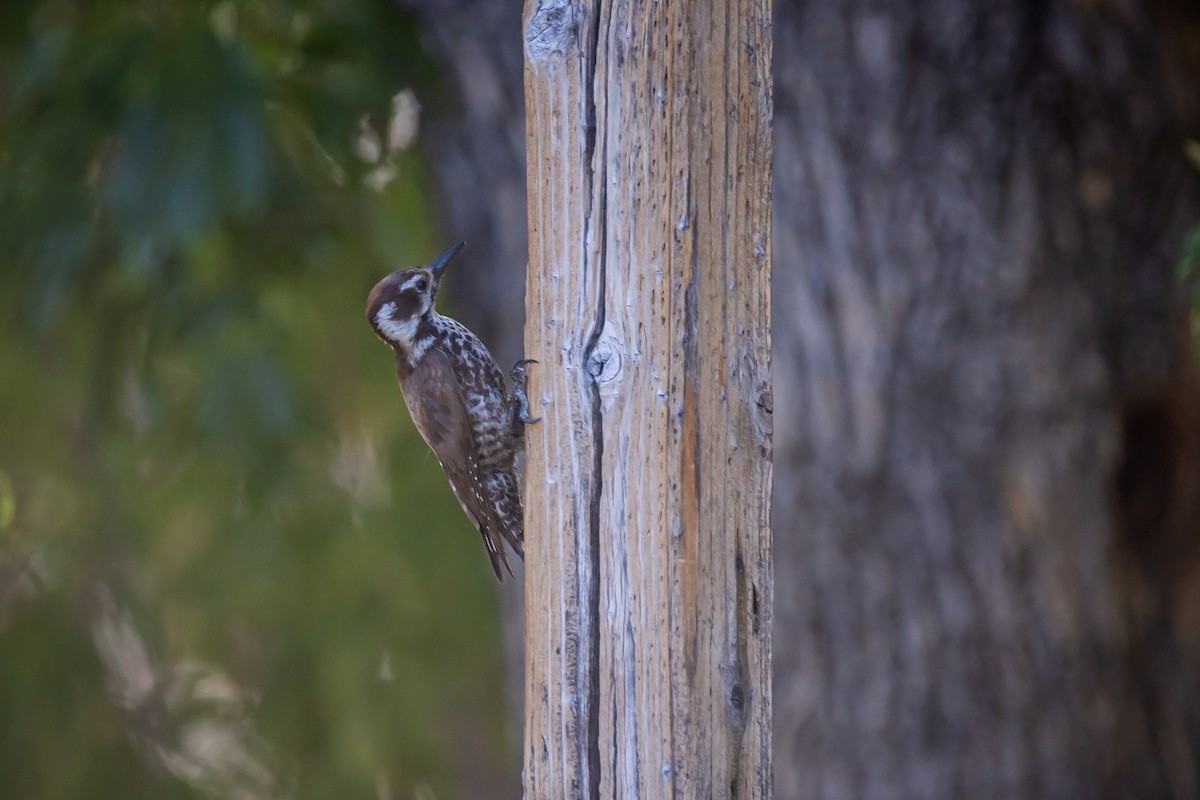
(648,567)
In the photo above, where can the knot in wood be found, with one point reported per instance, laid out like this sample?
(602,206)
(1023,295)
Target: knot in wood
(765,398)
(764,418)
(605,362)
(553,28)
(606,365)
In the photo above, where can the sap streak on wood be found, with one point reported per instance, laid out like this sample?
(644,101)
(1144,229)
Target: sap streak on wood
(648,583)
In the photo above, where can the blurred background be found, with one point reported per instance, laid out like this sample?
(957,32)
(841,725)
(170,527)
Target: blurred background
(228,565)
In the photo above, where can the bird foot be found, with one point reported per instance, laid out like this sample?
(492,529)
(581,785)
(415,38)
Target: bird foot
(519,400)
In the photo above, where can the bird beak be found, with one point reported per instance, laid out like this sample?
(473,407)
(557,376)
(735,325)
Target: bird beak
(438,265)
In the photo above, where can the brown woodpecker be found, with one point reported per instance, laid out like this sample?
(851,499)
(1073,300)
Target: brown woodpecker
(455,394)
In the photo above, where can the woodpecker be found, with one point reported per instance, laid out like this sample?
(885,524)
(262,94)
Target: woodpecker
(455,394)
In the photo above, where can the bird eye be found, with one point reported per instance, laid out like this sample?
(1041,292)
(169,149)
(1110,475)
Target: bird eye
(422,285)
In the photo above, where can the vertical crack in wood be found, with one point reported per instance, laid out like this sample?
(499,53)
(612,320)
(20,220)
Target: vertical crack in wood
(737,703)
(594,170)
(691,449)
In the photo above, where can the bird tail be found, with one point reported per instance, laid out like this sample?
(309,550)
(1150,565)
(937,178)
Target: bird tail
(502,521)
(495,550)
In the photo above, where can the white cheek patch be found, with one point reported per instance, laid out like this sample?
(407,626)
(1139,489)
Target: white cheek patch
(399,331)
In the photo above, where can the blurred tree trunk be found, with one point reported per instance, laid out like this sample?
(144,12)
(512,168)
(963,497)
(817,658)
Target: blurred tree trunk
(987,507)
(987,494)
(474,136)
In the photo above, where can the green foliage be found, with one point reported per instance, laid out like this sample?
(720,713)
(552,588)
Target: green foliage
(206,474)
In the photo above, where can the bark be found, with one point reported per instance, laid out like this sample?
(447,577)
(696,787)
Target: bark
(988,434)
(648,571)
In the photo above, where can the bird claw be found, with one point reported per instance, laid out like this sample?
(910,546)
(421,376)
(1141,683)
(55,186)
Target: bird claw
(520,401)
(518,370)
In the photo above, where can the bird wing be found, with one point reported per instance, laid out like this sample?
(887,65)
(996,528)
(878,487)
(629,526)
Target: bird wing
(435,401)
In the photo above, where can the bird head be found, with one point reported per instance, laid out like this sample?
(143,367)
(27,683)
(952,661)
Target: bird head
(400,301)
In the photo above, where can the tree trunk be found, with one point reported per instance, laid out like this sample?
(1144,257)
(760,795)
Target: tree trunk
(987,531)
(648,572)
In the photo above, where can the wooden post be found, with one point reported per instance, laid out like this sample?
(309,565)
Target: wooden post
(648,562)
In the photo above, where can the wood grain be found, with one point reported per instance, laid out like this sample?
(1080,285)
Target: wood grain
(648,581)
